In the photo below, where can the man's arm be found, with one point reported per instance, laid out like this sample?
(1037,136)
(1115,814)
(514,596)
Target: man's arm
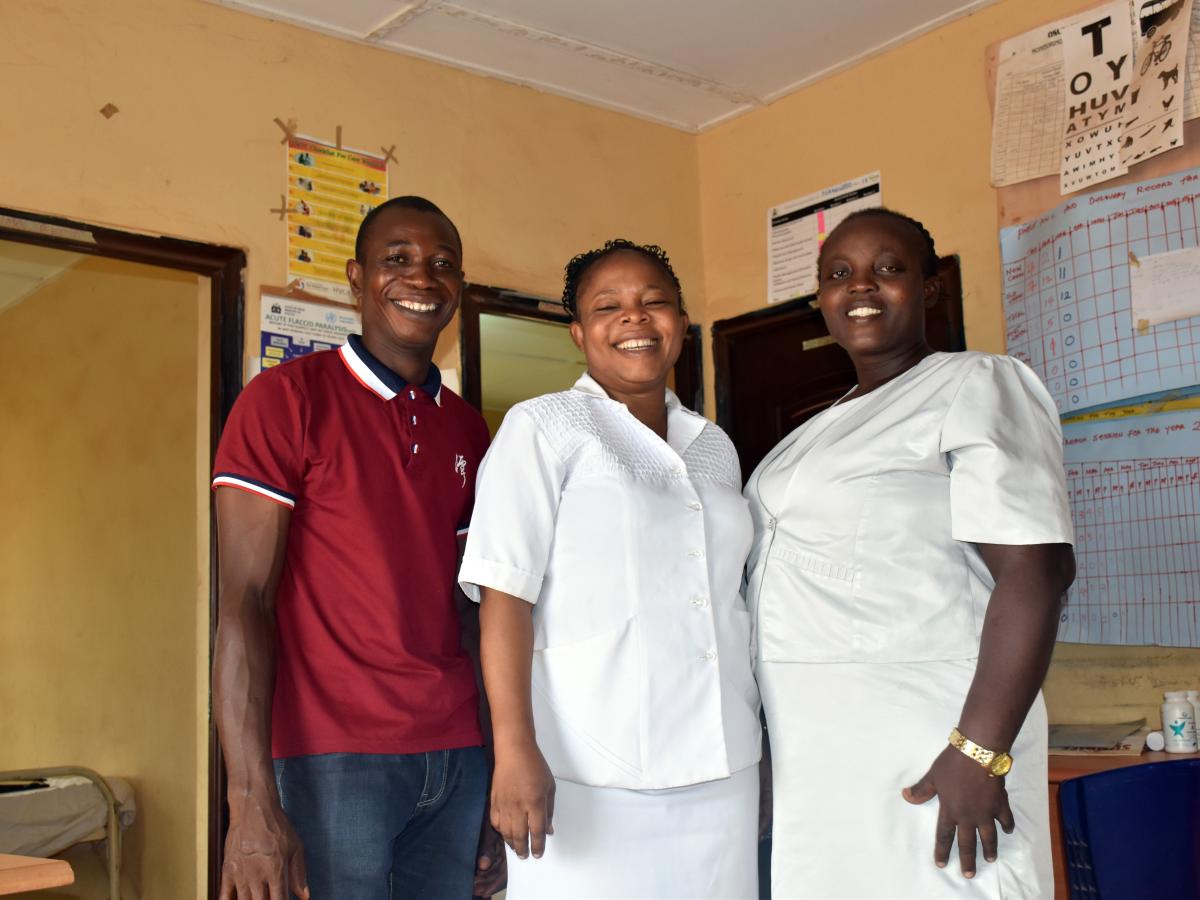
(263,855)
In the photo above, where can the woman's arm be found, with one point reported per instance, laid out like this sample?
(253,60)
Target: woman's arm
(522,801)
(1014,653)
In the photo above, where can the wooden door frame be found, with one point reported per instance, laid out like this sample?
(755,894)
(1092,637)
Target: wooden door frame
(480,299)
(225,268)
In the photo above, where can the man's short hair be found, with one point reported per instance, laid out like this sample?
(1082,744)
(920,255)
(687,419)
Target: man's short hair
(411,201)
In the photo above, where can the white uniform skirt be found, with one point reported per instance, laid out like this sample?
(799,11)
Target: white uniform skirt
(693,842)
(845,740)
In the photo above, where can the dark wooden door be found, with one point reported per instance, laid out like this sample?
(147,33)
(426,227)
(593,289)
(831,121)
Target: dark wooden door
(777,367)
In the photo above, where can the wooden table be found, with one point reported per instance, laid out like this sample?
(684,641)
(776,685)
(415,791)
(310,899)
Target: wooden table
(1063,768)
(28,873)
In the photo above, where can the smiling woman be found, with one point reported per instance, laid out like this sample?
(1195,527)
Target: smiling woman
(912,548)
(606,548)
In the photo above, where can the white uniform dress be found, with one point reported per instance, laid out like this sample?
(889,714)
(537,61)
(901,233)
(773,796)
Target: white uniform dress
(644,701)
(869,597)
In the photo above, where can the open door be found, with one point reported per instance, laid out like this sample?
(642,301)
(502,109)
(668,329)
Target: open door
(510,352)
(778,367)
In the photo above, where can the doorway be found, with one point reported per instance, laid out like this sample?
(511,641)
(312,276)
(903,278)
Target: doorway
(120,356)
(776,368)
(515,347)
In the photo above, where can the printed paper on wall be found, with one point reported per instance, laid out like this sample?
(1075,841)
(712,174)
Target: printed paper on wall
(1154,122)
(329,192)
(1098,60)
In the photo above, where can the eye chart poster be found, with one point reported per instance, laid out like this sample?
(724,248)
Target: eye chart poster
(1031,94)
(1067,300)
(796,230)
(1154,123)
(329,192)
(1098,57)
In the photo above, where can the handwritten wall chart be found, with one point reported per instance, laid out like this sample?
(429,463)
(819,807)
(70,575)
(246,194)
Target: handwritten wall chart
(1067,299)
(1134,488)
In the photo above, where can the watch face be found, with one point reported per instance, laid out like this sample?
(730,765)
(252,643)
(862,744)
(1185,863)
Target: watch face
(1001,765)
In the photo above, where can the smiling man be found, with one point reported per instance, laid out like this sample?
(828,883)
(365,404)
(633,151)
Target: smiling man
(346,704)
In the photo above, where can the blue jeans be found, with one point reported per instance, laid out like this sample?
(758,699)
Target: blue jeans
(384,827)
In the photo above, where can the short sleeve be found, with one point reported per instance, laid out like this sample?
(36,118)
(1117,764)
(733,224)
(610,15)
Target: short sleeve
(517,495)
(262,445)
(1004,441)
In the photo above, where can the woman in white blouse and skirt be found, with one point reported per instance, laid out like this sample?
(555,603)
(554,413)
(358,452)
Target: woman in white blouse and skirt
(607,547)
(912,549)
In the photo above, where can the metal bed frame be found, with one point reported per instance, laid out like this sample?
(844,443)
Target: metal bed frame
(112,829)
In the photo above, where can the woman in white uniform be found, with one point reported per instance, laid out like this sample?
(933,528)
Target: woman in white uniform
(607,547)
(912,550)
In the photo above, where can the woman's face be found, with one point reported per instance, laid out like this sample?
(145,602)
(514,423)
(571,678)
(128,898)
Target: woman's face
(872,291)
(629,325)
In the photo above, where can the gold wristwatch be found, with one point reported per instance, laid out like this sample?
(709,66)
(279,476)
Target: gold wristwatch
(997,764)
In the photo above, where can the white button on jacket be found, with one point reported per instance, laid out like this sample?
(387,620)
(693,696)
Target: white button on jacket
(615,535)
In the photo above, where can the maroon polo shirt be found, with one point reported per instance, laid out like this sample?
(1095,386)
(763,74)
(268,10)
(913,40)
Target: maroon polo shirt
(380,477)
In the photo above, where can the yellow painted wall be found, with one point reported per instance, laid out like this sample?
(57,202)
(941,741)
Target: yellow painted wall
(99,575)
(919,114)
(530,178)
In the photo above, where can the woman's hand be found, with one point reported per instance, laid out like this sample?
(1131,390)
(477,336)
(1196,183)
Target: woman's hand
(523,798)
(969,801)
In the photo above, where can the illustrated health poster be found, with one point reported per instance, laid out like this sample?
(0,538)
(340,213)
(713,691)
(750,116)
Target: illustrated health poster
(329,192)
(290,328)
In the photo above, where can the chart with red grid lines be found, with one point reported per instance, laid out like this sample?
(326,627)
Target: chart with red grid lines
(1134,488)
(1066,293)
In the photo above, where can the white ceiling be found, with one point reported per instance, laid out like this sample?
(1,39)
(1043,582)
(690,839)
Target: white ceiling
(690,64)
(24,268)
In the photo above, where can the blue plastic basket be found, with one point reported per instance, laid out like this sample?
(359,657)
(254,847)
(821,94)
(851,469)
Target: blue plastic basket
(1134,833)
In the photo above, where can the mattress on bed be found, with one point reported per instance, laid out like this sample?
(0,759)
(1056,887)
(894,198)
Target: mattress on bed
(48,820)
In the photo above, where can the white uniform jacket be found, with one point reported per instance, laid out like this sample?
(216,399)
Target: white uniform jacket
(632,549)
(866,516)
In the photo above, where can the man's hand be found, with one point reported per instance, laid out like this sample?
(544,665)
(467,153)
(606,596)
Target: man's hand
(264,859)
(490,871)
(523,799)
(969,801)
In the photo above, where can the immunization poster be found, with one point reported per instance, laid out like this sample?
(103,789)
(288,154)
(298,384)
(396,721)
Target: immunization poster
(796,230)
(329,192)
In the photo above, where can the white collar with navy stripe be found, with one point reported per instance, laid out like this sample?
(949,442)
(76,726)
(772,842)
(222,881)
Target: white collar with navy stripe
(378,378)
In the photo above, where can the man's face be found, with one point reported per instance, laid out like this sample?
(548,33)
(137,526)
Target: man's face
(409,281)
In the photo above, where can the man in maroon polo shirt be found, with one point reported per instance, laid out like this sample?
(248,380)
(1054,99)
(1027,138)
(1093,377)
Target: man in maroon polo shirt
(346,704)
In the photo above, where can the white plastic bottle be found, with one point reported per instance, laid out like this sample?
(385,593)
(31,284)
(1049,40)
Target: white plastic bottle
(1194,699)
(1179,723)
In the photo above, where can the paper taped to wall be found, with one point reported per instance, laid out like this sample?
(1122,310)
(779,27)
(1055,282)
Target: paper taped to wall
(1165,287)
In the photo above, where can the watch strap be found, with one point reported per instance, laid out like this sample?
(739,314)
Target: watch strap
(962,743)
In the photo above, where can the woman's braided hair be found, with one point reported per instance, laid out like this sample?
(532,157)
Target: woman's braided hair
(929,257)
(579,265)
